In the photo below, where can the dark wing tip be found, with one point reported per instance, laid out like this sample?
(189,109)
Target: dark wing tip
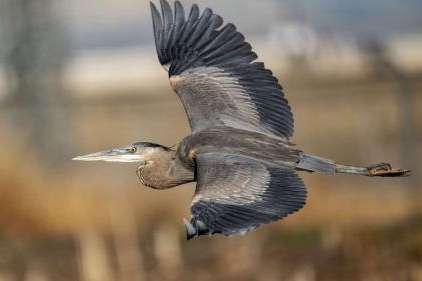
(179,10)
(164,3)
(178,4)
(166,9)
(190,230)
(195,7)
(154,9)
(197,40)
(207,11)
(195,228)
(156,16)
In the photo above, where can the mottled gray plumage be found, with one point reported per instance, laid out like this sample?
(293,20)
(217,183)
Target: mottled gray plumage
(239,151)
(212,71)
(241,123)
(236,194)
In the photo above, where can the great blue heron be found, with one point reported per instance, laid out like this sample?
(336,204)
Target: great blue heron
(239,151)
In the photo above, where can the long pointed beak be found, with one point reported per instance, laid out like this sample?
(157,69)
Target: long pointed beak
(123,155)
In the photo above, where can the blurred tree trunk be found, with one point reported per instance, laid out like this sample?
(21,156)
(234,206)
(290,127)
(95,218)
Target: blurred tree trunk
(34,51)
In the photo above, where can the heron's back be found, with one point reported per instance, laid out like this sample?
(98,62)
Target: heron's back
(240,142)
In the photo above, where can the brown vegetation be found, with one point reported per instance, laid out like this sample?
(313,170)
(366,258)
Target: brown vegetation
(95,222)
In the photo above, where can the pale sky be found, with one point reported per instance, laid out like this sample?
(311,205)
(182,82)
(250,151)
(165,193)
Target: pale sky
(116,23)
(113,22)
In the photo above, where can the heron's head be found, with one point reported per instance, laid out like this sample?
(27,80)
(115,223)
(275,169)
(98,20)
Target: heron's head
(139,152)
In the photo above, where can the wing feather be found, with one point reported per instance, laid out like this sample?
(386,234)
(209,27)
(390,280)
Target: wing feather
(190,24)
(200,28)
(167,19)
(238,91)
(236,194)
(158,27)
(179,20)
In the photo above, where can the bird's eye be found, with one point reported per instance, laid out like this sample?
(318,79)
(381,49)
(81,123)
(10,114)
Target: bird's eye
(133,149)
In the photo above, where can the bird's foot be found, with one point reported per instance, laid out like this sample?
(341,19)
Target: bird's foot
(385,170)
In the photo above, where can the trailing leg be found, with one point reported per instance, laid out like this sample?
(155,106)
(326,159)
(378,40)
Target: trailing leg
(377,170)
(317,164)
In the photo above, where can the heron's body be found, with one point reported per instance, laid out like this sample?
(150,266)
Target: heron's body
(239,152)
(170,168)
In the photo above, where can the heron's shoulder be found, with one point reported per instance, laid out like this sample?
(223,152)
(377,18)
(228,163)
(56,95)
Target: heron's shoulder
(194,77)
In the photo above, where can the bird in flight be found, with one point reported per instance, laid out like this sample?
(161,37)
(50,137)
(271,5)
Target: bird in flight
(239,153)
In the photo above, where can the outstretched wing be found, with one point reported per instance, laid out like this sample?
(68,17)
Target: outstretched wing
(212,69)
(235,194)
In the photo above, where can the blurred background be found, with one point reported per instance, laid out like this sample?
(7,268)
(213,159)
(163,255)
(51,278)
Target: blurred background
(82,76)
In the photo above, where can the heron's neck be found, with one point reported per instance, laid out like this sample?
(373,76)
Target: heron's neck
(164,170)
